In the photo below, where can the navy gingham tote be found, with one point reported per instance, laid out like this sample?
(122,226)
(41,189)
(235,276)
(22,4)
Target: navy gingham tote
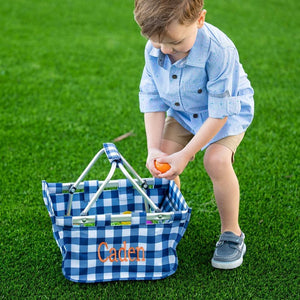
(104,244)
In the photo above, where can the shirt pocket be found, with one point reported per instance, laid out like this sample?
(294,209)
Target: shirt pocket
(194,96)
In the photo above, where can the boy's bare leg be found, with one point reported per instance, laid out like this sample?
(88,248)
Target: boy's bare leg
(218,164)
(177,181)
(171,147)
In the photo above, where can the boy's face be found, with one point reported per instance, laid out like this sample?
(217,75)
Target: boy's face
(178,39)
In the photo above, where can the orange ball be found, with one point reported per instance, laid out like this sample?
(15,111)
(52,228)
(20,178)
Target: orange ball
(162,167)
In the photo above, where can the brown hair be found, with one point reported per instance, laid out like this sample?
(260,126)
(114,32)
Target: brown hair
(153,16)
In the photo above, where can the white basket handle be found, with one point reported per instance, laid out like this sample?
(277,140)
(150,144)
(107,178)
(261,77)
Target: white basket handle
(116,160)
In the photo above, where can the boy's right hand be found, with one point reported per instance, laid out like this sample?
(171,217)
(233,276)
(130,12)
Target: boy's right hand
(153,154)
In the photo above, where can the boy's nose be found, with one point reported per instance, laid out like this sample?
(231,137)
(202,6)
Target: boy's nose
(165,49)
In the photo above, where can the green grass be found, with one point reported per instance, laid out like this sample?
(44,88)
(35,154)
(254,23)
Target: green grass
(69,76)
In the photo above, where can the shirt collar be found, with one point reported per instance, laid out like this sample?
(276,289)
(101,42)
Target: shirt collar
(161,58)
(199,52)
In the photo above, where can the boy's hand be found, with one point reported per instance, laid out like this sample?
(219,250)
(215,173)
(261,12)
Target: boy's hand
(178,161)
(154,154)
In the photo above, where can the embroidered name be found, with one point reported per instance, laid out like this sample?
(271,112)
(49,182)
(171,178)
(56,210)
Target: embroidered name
(132,254)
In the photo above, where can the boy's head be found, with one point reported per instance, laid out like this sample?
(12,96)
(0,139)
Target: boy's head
(154,16)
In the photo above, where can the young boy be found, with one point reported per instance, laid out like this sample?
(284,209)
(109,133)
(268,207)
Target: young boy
(193,73)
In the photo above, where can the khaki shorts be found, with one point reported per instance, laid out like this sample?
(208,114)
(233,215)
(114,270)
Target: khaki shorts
(175,132)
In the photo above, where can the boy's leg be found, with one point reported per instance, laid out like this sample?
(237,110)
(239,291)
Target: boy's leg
(218,160)
(218,164)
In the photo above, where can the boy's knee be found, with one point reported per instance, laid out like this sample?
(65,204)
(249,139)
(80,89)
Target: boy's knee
(216,161)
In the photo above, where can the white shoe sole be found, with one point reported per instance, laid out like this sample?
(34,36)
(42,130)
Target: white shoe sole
(229,265)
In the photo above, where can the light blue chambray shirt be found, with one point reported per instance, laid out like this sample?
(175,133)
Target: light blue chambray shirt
(209,82)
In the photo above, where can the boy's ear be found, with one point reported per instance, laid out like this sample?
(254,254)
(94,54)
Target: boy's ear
(201,18)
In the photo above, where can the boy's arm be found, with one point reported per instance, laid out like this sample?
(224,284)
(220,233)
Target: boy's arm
(154,125)
(207,131)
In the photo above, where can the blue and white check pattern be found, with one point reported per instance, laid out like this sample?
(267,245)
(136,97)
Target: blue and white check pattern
(104,252)
(112,152)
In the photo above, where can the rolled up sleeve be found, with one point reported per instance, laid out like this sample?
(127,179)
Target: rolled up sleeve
(220,107)
(223,81)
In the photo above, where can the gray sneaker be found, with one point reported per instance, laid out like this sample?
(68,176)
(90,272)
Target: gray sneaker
(229,252)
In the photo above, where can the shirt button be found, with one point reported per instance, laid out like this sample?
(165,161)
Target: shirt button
(199,91)
(177,104)
(174,76)
(195,116)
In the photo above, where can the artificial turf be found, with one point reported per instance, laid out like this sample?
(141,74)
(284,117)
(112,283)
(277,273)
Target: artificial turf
(69,76)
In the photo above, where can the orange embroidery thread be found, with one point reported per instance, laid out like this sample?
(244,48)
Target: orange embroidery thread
(116,255)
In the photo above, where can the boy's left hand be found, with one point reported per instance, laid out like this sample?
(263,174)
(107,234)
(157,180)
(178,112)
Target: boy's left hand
(178,161)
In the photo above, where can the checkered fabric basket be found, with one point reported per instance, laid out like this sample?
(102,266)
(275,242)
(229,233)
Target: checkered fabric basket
(99,243)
